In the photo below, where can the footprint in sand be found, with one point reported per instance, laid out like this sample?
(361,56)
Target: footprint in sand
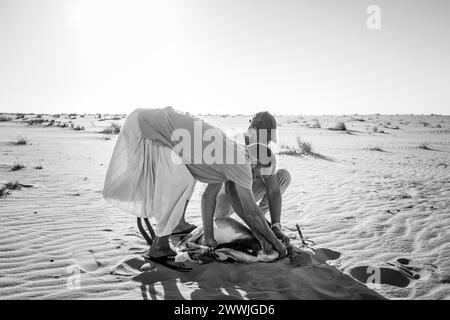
(400,273)
(85,261)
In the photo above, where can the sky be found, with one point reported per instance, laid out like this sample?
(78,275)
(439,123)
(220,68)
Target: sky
(225,56)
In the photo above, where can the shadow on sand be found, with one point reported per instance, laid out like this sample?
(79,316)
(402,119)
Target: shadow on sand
(301,276)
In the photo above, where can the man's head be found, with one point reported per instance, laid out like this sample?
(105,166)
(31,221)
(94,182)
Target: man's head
(261,131)
(262,128)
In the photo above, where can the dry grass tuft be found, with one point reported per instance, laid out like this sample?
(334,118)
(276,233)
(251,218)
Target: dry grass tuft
(13,185)
(17,167)
(302,148)
(77,127)
(39,166)
(21,141)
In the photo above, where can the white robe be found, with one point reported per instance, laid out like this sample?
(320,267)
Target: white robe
(143,179)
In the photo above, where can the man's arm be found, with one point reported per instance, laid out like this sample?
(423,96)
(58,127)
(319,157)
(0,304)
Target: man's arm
(208,206)
(273,197)
(244,204)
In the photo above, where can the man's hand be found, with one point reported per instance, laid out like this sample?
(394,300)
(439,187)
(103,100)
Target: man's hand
(281,249)
(210,242)
(280,235)
(244,204)
(266,246)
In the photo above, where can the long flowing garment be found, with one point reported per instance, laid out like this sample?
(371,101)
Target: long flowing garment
(143,178)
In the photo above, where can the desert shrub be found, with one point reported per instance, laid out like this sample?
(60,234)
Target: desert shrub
(5,118)
(438,125)
(375,129)
(314,124)
(376,148)
(114,128)
(13,185)
(340,126)
(39,167)
(35,121)
(77,128)
(21,141)
(17,167)
(302,148)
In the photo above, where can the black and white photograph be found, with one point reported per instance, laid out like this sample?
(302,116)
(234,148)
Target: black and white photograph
(239,150)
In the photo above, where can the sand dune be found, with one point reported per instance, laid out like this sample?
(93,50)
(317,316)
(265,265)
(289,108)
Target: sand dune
(374,202)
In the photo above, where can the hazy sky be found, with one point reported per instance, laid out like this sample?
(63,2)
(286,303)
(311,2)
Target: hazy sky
(224,56)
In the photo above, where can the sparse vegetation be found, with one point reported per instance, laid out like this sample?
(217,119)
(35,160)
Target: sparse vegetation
(35,121)
(114,128)
(314,124)
(17,167)
(21,141)
(39,167)
(6,189)
(376,148)
(5,118)
(339,126)
(302,148)
(62,124)
(4,192)
(13,185)
(77,128)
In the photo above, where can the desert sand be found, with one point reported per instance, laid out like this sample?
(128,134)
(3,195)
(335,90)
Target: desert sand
(374,198)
